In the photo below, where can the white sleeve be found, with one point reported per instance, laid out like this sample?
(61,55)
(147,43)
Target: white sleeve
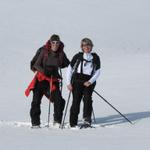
(69,74)
(95,76)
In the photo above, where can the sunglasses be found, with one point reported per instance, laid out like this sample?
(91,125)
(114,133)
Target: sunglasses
(55,42)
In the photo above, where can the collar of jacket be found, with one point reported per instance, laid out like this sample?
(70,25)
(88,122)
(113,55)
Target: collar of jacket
(87,56)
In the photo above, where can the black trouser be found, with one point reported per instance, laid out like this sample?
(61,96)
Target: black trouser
(79,92)
(40,89)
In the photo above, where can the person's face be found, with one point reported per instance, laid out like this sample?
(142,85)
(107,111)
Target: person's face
(86,47)
(55,45)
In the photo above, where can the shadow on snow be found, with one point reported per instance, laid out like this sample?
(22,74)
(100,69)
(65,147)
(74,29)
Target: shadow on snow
(118,119)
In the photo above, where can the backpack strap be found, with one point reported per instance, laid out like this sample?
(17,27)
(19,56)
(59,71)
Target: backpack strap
(81,67)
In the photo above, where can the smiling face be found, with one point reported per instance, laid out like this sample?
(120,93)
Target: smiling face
(86,47)
(55,45)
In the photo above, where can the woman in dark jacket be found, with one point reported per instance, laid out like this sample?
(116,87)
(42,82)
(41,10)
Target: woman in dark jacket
(51,57)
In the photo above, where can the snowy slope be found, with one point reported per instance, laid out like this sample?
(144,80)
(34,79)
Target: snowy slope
(120,32)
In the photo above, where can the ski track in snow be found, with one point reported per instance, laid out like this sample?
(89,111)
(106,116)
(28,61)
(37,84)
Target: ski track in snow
(28,124)
(44,125)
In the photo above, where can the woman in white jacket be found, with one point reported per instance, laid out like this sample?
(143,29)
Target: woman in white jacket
(82,74)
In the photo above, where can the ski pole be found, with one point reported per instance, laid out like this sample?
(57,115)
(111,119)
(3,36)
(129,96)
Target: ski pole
(113,107)
(49,107)
(63,121)
(72,80)
(93,115)
(61,83)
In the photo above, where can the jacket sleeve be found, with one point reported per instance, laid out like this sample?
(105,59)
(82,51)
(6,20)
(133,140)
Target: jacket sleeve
(95,76)
(69,73)
(35,58)
(38,64)
(71,68)
(66,61)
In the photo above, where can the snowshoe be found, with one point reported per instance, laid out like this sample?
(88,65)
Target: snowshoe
(86,125)
(35,126)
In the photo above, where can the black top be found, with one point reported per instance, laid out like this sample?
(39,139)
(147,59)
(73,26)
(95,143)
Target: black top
(48,62)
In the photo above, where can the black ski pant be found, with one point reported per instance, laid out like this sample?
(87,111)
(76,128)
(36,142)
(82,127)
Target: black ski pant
(79,92)
(42,88)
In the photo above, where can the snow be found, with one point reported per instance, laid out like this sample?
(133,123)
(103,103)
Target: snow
(120,32)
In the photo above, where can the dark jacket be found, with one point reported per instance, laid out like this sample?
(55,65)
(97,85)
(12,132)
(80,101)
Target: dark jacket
(49,62)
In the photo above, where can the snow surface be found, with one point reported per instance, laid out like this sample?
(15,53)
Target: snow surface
(120,32)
